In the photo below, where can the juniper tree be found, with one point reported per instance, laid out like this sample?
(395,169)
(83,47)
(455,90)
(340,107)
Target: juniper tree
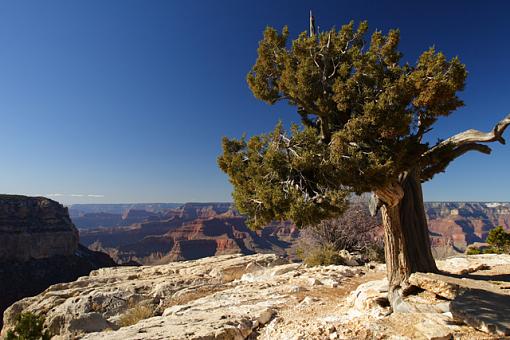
(364,114)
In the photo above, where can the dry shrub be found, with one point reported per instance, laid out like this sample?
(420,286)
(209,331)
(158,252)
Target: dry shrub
(355,231)
(322,256)
(135,314)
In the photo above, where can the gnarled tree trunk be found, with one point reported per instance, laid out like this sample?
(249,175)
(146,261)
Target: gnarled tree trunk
(407,242)
(406,235)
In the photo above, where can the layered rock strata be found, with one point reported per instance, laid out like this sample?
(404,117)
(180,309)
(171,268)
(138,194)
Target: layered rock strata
(34,228)
(39,247)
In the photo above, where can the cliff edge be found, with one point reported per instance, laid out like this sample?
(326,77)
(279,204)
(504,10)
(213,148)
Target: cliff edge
(39,248)
(34,228)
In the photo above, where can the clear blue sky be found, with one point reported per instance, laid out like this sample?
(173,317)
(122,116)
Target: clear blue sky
(127,101)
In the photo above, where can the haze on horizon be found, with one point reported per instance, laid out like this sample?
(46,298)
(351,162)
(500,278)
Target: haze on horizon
(127,101)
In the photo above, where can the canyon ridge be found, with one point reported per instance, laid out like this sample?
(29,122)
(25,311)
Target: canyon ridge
(161,233)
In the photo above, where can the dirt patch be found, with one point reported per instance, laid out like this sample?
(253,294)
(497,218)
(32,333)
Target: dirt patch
(313,315)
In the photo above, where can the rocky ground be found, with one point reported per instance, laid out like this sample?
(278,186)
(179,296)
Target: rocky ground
(263,297)
(39,247)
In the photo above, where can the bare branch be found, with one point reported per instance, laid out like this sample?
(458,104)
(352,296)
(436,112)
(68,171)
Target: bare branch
(312,25)
(440,156)
(475,136)
(442,162)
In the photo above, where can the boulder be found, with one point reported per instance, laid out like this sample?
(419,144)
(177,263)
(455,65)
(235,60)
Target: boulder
(371,296)
(478,303)
(485,310)
(349,259)
(436,284)
(433,330)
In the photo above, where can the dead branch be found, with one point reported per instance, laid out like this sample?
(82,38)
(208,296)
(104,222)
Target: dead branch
(440,156)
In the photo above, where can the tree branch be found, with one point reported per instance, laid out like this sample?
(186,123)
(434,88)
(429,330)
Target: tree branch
(475,136)
(439,164)
(440,156)
(312,24)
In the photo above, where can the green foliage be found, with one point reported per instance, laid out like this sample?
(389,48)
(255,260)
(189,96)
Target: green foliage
(475,251)
(499,239)
(321,256)
(363,115)
(276,177)
(28,327)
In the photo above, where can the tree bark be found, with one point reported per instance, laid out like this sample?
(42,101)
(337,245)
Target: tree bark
(406,235)
(407,242)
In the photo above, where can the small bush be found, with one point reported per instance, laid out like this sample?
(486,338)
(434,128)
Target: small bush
(499,239)
(355,231)
(375,252)
(322,256)
(28,327)
(474,251)
(135,314)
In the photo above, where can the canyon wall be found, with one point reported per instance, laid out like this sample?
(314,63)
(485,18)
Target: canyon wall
(39,247)
(34,228)
(464,223)
(196,230)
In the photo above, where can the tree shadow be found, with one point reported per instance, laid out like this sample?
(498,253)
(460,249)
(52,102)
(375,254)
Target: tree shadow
(482,277)
(483,310)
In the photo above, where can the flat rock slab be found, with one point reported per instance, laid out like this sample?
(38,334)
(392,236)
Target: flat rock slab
(480,304)
(221,297)
(441,285)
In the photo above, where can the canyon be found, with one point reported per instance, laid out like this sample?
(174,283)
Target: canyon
(46,244)
(157,234)
(464,223)
(192,231)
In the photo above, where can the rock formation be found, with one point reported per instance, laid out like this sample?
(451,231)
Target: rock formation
(159,234)
(464,223)
(34,228)
(261,296)
(39,247)
(76,210)
(193,231)
(191,211)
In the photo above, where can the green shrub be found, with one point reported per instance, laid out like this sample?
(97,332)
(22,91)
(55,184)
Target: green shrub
(375,252)
(322,256)
(475,251)
(499,239)
(28,327)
